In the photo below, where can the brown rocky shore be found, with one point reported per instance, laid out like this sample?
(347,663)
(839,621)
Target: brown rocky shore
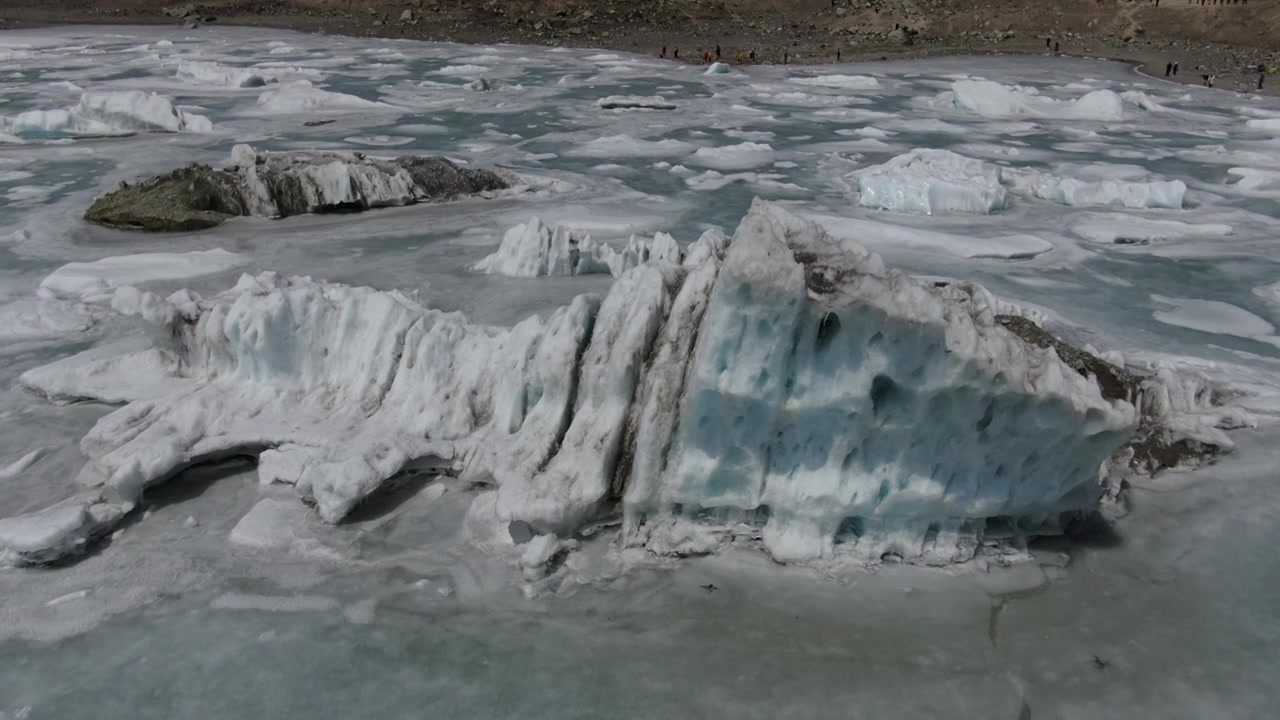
(1230,40)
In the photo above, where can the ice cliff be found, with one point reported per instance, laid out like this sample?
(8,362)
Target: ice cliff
(786,387)
(281,184)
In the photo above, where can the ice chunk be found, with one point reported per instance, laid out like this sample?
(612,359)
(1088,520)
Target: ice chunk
(463,70)
(1117,229)
(53,533)
(635,102)
(1212,316)
(97,280)
(109,113)
(301,96)
(1112,192)
(843,82)
(1269,125)
(219,75)
(622,146)
(271,524)
(19,466)
(742,156)
(930,181)
(891,237)
(717,68)
(993,100)
(1142,100)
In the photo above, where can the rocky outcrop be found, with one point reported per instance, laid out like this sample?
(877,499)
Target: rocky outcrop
(283,184)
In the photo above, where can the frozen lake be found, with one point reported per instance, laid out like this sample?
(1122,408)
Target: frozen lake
(394,613)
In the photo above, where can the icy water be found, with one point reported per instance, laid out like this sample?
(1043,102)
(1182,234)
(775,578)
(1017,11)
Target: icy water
(393,614)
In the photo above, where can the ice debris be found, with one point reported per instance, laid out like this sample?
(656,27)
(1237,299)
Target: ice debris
(301,96)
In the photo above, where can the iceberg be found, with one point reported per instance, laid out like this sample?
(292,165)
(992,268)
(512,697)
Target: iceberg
(109,113)
(785,382)
(993,100)
(534,250)
(1138,194)
(301,96)
(929,181)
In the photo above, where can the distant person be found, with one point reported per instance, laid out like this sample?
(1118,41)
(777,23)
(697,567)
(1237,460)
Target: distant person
(676,54)
(1056,46)
(837,56)
(752,55)
(664,52)
(1048,43)
(1175,69)
(785,59)
(717,52)
(1168,69)
(1261,78)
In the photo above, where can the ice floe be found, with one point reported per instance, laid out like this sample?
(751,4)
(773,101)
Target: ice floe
(302,96)
(97,281)
(106,113)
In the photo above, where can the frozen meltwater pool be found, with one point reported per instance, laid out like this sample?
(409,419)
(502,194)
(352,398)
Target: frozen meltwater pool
(1137,215)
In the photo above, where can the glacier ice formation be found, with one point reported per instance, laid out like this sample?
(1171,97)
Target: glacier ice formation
(787,383)
(282,184)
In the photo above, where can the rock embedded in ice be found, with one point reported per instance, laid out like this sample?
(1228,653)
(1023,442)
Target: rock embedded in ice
(635,102)
(107,113)
(283,184)
(930,181)
(97,281)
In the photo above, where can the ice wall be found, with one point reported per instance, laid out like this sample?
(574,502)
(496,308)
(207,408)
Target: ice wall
(789,381)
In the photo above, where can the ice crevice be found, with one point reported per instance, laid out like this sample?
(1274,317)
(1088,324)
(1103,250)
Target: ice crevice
(783,387)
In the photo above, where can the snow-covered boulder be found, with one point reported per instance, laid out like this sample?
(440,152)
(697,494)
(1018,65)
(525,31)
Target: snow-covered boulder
(928,181)
(107,113)
(282,184)
(635,102)
(797,384)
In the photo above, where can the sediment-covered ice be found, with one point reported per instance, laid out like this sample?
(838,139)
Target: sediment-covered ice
(107,113)
(301,96)
(993,100)
(635,102)
(97,280)
(929,181)
(790,382)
